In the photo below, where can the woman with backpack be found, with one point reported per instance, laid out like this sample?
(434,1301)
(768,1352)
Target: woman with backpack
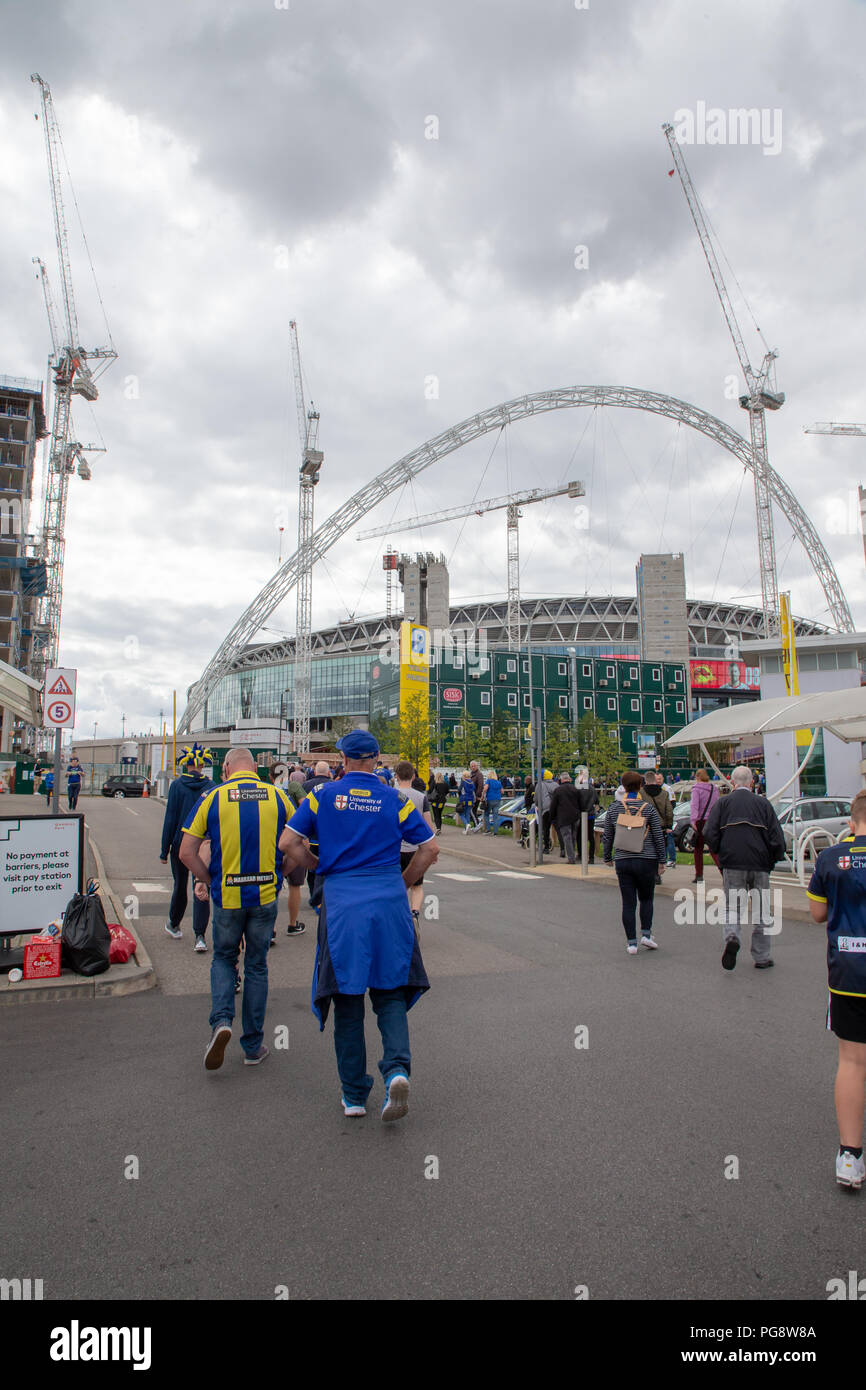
(633,829)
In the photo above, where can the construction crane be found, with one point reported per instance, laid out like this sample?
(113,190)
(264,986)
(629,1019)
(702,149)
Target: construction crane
(511,504)
(311,462)
(71,377)
(758,399)
(831,427)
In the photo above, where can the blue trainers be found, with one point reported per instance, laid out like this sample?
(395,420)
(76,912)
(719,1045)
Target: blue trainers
(397,1101)
(352,1107)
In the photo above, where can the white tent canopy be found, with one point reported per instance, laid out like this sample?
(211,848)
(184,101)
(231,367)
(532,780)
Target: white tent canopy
(20,694)
(840,712)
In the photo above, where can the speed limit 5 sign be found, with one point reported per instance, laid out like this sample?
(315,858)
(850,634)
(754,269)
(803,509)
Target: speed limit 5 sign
(58,699)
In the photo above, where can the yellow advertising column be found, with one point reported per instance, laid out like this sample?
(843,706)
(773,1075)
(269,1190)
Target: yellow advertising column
(415,695)
(803,737)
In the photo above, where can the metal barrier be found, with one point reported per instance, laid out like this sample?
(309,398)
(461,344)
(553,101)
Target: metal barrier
(804,842)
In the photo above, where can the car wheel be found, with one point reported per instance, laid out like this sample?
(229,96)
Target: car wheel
(119,796)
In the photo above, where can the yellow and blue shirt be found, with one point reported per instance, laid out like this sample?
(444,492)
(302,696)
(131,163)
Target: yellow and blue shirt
(839,880)
(359,823)
(243,818)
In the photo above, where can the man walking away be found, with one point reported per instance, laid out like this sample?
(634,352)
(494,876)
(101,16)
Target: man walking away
(478,784)
(492,802)
(403,778)
(243,818)
(640,858)
(837,894)
(653,792)
(321,775)
(543,792)
(744,830)
(183,794)
(565,815)
(366,938)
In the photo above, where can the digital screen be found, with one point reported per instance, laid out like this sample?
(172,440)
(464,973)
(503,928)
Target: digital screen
(724,675)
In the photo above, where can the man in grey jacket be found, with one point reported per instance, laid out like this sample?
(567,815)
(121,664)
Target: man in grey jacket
(744,830)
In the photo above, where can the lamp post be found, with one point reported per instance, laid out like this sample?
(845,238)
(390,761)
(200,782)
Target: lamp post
(287,691)
(93,756)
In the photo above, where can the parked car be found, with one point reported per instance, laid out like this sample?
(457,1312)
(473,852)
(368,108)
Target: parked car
(830,813)
(125,784)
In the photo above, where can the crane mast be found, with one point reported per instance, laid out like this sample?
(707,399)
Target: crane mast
(71,376)
(311,462)
(758,399)
(511,504)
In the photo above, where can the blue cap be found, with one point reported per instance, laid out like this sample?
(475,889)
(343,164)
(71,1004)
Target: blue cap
(358,744)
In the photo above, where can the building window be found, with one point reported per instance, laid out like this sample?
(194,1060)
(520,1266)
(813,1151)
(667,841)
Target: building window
(457,663)
(513,733)
(678,676)
(526,668)
(511,666)
(512,699)
(561,668)
(563,702)
(633,672)
(485,697)
(657,706)
(587,702)
(657,675)
(526,699)
(611,672)
(635,704)
(611,704)
(587,669)
(485,730)
(679,706)
(458,730)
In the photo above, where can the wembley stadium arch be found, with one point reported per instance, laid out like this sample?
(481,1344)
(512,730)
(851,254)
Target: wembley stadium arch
(497,417)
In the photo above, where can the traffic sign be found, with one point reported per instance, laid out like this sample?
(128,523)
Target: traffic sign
(58,699)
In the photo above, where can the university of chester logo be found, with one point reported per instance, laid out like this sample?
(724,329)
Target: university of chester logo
(845,861)
(341,802)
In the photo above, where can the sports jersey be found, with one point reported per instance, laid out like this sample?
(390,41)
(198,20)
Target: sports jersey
(243,818)
(839,880)
(358,823)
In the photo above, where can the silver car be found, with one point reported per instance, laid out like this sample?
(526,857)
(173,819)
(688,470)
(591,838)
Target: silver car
(830,813)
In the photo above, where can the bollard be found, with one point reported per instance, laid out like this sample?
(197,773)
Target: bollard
(584,844)
(533,858)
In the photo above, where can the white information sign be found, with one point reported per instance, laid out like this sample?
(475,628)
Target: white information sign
(41,868)
(58,698)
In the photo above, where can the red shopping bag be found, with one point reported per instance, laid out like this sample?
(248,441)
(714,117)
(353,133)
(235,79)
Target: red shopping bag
(123,944)
(42,958)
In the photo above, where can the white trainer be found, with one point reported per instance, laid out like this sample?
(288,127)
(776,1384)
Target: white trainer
(649,943)
(850,1171)
(397,1100)
(349,1109)
(632,948)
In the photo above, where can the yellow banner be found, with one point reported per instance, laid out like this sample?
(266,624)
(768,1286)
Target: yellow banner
(415,695)
(803,737)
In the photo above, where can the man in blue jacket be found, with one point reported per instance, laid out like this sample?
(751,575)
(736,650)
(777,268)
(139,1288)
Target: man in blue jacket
(183,794)
(366,939)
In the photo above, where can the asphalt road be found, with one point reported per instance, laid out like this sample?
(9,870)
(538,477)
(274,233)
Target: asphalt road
(558,1166)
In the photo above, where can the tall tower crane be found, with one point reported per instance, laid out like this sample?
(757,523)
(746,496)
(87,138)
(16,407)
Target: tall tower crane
(831,427)
(511,504)
(758,399)
(312,459)
(71,377)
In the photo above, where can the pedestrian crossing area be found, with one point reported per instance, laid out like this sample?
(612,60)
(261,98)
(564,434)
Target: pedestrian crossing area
(493,873)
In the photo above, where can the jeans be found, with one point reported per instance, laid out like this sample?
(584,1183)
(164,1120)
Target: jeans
(671,848)
(743,886)
(73,792)
(180,895)
(255,925)
(637,881)
(491,812)
(567,836)
(389,1006)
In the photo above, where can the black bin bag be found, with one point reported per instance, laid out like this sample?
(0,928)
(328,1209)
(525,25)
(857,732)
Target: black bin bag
(85,941)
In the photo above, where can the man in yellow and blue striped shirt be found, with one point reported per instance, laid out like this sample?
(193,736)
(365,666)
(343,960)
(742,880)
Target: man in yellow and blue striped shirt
(243,819)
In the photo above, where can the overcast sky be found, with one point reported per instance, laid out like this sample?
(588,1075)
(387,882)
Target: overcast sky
(410,181)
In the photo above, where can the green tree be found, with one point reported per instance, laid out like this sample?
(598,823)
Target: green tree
(386,733)
(462,750)
(560,744)
(596,748)
(504,751)
(413,730)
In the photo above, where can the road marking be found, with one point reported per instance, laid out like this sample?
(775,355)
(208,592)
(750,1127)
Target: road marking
(462,878)
(131,812)
(512,873)
(150,888)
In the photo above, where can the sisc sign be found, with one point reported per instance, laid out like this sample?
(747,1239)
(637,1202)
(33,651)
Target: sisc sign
(451,695)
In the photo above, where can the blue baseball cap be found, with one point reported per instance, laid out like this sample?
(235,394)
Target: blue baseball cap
(360,743)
